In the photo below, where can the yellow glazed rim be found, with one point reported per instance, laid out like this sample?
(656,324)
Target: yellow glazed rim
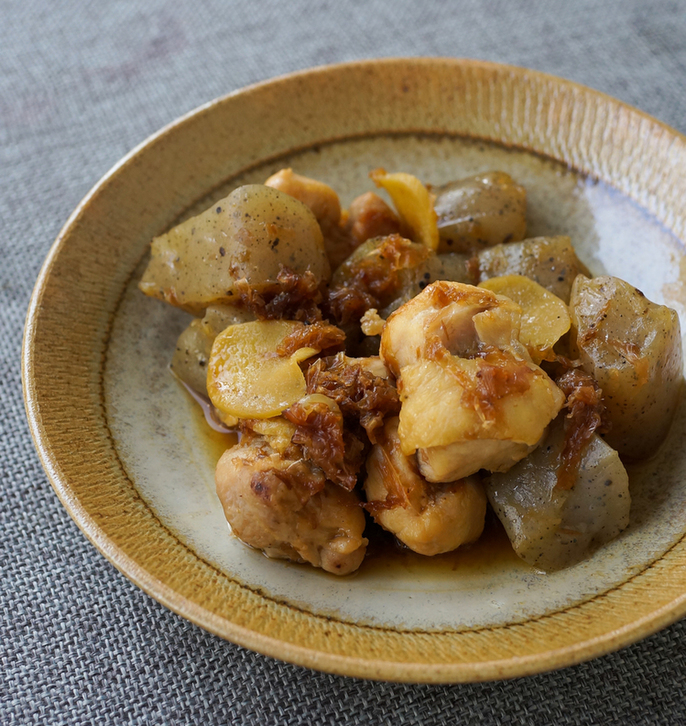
(80,284)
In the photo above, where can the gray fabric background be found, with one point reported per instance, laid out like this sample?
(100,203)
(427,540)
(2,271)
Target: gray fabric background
(81,83)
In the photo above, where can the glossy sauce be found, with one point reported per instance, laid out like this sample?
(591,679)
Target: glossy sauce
(492,551)
(215,437)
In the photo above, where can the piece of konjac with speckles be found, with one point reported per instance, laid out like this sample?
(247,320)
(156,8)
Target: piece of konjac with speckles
(471,396)
(549,261)
(252,235)
(479,212)
(632,347)
(552,527)
(279,503)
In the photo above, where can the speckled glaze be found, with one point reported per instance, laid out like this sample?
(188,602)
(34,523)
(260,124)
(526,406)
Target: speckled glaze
(133,462)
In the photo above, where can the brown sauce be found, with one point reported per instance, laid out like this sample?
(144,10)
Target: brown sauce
(491,552)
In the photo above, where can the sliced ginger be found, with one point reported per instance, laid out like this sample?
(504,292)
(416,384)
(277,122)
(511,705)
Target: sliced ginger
(247,378)
(545,318)
(413,202)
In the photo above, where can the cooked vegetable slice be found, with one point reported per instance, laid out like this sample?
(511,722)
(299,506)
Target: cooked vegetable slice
(252,234)
(545,318)
(414,204)
(480,211)
(246,376)
(632,347)
(551,527)
(194,345)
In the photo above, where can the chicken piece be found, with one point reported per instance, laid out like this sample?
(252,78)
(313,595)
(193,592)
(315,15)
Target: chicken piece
(551,526)
(369,217)
(471,398)
(319,197)
(326,207)
(428,518)
(284,506)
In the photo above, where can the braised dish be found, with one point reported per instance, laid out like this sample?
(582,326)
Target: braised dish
(408,366)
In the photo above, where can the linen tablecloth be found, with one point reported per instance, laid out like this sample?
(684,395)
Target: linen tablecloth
(81,83)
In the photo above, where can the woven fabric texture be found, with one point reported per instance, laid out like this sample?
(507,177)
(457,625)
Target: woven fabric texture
(81,83)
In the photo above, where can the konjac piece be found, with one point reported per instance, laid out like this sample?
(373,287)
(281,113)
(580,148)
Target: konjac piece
(479,212)
(194,345)
(552,527)
(549,261)
(632,347)
(251,235)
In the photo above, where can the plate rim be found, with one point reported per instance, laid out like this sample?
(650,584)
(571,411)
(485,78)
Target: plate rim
(292,652)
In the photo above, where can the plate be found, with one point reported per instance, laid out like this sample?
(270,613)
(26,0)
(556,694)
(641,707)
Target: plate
(132,461)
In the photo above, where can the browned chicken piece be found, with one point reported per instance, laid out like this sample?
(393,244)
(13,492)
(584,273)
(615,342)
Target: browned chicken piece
(428,518)
(284,506)
(369,216)
(326,207)
(319,197)
(471,396)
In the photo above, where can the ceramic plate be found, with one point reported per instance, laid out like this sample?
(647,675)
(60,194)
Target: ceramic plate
(132,460)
